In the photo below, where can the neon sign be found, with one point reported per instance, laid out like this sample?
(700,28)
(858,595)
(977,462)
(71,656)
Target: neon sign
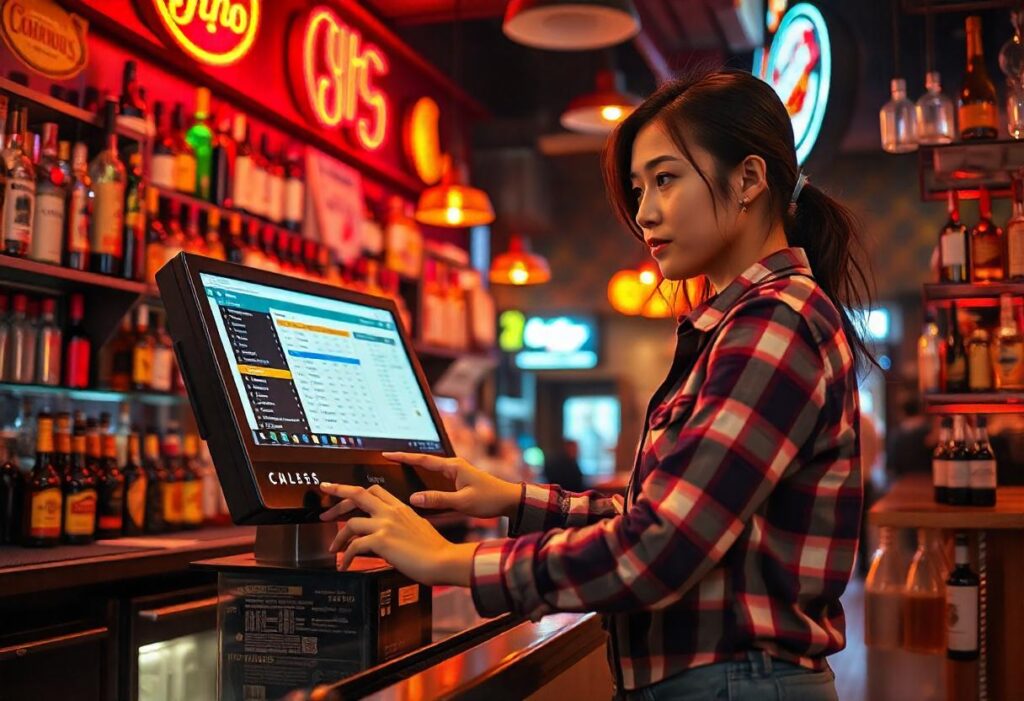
(798,66)
(215,32)
(45,37)
(334,78)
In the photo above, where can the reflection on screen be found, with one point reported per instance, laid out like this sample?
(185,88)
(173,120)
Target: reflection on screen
(314,371)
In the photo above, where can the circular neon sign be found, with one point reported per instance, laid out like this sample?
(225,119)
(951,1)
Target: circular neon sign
(799,68)
(214,33)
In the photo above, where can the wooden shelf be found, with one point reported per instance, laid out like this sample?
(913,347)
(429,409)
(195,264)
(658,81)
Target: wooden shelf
(226,212)
(92,395)
(968,166)
(976,403)
(911,504)
(46,108)
(935,292)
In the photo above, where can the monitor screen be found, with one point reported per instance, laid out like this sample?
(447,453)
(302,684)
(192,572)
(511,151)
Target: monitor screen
(314,371)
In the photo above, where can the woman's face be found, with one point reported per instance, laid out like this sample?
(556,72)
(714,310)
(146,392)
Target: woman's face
(674,207)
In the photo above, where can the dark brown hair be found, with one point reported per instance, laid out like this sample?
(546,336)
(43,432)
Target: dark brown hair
(731,114)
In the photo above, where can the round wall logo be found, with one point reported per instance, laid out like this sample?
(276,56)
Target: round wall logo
(47,39)
(799,67)
(215,32)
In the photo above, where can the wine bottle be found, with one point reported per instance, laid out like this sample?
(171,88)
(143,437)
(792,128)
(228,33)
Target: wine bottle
(77,357)
(978,114)
(983,468)
(79,215)
(962,606)
(108,176)
(940,463)
(134,245)
(959,465)
(956,355)
(986,244)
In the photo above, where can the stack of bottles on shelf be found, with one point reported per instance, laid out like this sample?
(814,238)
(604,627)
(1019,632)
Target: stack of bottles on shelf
(935,119)
(928,606)
(986,252)
(964,468)
(90,480)
(36,349)
(981,360)
(140,357)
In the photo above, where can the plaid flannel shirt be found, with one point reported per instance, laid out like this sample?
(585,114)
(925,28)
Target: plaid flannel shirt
(739,528)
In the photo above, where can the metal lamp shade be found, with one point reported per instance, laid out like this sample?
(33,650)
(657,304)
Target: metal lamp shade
(571,25)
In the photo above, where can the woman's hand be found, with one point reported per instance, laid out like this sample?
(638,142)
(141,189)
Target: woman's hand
(398,534)
(477,493)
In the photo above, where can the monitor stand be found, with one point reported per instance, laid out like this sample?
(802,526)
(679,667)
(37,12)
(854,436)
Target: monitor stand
(296,545)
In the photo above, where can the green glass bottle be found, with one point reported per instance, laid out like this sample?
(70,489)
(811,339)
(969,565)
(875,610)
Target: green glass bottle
(200,138)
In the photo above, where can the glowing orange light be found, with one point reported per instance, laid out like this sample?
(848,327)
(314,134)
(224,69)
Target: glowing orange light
(648,277)
(453,203)
(339,74)
(215,33)
(423,139)
(611,113)
(519,265)
(626,292)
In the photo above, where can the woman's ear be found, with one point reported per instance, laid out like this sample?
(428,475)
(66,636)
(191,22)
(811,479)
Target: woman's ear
(752,177)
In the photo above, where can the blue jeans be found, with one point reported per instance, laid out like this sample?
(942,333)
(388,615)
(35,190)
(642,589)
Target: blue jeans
(760,677)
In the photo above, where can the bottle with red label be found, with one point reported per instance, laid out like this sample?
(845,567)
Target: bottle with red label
(78,355)
(110,491)
(79,494)
(43,499)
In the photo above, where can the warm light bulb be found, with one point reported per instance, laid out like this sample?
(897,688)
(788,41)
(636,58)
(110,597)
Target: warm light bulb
(454,214)
(518,274)
(647,277)
(611,113)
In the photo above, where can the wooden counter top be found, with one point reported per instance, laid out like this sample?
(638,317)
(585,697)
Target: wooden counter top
(910,504)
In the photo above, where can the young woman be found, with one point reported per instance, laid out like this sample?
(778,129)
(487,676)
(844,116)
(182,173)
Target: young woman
(721,569)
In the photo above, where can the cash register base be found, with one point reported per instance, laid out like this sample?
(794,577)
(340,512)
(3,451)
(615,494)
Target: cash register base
(287,619)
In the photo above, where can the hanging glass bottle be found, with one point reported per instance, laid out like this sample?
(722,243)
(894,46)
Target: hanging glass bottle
(934,111)
(1011,61)
(898,121)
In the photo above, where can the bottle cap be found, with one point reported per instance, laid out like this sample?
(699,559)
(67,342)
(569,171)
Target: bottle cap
(77,306)
(49,305)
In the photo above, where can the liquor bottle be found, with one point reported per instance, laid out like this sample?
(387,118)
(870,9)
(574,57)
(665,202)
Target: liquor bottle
(953,249)
(959,465)
(935,113)
(979,362)
(52,179)
(79,494)
(171,487)
(162,375)
(131,104)
(200,138)
(122,354)
(19,195)
(983,468)
(403,240)
(962,606)
(272,261)
(43,501)
(236,244)
(155,476)
(213,244)
(274,197)
(294,192)
(929,357)
(122,432)
(194,241)
(163,163)
(134,246)
(142,351)
(897,121)
(22,343)
(175,241)
(185,165)
(978,114)
(108,177)
(11,494)
(93,448)
(883,593)
(986,244)
(78,353)
(222,159)
(49,345)
(157,210)
(257,196)
(241,181)
(1015,233)
(1009,349)
(956,355)
(110,492)
(191,486)
(940,462)
(285,258)
(62,441)
(252,255)
(924,605)
(134,520)
(79,214)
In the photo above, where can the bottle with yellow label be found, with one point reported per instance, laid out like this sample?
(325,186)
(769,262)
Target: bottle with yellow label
(134,521)
(173,481)
(192,486)
(79,494)
(977,111)
(42,512)
(110,492)
(155,477)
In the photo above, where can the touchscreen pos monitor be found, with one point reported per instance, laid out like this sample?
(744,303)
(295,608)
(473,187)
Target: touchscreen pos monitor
(295,383)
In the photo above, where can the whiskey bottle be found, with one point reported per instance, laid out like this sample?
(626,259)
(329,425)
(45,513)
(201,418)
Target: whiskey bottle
(1009,349)
(978,114)
(134,521)
(19,195)
(110,518)
(79,494)
(43,500)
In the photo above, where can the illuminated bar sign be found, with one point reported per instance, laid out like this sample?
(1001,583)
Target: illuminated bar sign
(214,32)
(549,343)
(42,35)
(334,79)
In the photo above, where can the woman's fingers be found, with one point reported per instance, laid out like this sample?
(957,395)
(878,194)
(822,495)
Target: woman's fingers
(364,499)
(358,546)
(338,510)
(435,500)
(448,466)
(352,528)
(384,495)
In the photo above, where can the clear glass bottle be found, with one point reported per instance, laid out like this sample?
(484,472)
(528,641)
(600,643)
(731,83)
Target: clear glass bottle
(1009,349)
(898,121)
(883,604)
(935,113)
(924,604)
(49,344)
(929,357)
(21,359)
(19,194)
(79,215)
(1011,61)
(52,179)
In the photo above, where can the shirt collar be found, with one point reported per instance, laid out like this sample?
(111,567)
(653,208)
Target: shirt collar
(783,263)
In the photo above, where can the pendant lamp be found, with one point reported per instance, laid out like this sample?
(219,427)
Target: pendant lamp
(571,25)
(519,265)
(598,112)
(452,202)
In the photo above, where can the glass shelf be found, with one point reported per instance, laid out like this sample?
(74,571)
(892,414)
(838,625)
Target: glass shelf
(92,395)
(975,403)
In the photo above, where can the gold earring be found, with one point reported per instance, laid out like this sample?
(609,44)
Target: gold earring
(743,205)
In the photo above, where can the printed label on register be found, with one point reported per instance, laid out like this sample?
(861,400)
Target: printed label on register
(409,594)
